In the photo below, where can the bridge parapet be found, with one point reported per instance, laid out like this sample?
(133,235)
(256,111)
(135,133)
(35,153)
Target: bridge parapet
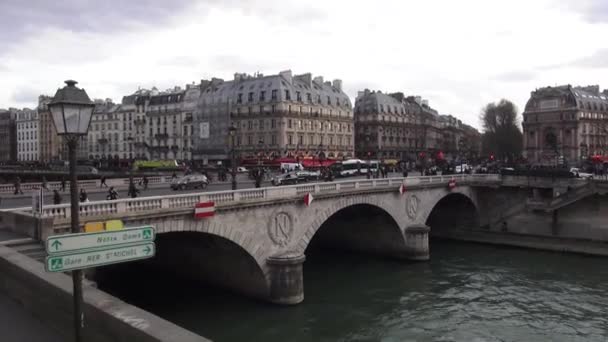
(61,213)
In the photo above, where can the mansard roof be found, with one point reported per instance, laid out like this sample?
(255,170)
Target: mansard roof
(583,98)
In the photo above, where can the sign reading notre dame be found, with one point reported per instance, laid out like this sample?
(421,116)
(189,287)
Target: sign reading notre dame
(280,228)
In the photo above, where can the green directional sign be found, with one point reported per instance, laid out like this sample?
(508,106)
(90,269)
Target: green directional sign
(99,257)
(89,241)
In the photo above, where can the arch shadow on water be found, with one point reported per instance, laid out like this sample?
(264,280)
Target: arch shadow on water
(192,257)
(452,213)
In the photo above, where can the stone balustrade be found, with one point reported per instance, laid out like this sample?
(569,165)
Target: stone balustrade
(186,201)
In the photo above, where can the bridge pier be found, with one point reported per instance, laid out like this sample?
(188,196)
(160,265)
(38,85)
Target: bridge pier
(286,278)
(417,242)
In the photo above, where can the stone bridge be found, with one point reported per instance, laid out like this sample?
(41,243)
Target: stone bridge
(256,242)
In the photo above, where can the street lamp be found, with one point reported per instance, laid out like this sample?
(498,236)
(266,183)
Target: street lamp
(369,154)
(232,131)
(71,110)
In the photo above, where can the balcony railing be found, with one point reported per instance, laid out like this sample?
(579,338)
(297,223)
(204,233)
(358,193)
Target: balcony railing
(102,141)
(161,136)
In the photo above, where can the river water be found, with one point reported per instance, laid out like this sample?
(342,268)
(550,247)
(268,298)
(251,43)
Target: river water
(466,292)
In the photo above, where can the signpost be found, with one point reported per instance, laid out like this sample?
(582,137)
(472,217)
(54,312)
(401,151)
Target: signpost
(86,241)
(99,257)
(83,250)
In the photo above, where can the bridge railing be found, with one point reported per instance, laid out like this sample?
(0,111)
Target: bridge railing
(186,201)
(89,183)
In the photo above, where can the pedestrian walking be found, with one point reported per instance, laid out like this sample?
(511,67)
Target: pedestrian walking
(173,177)
(18,186)
(45,184)
(63,183)
(145,180)
(56,197)
(84,197)
(103,182)
(133,190)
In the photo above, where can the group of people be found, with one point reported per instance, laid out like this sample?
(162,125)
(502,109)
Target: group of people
(83,196)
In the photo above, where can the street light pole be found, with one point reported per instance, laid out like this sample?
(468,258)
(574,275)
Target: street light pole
(232,131)
(75,224)
(71,109)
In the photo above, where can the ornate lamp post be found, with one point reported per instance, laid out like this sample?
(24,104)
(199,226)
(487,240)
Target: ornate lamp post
(232,131)
(71,110)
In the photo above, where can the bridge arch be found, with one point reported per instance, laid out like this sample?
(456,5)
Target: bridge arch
(373,227)
(455,210)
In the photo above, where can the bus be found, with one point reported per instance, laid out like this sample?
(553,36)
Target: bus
(142,165)
(354,167)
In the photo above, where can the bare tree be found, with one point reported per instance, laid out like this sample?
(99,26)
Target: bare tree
(502,136)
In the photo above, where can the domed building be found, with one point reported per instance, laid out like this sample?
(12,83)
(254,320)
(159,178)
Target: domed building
(565,121)
(274,116)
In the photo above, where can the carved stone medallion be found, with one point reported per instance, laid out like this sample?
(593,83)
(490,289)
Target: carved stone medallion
(412,206)
(280,228)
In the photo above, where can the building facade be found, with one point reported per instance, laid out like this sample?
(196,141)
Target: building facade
(28,135)
(565,121)
(392,126)
(274,116)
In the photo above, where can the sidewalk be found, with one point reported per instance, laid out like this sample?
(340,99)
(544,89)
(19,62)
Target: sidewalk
(16,323)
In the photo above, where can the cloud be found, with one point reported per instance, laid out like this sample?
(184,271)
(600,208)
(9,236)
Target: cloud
(21,19)
(25,95)
(515,76)
(596,60)
(592,11)
(599,59)
(180,61)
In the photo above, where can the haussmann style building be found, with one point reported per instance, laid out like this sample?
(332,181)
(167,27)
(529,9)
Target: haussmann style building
(565,121)
(277,116)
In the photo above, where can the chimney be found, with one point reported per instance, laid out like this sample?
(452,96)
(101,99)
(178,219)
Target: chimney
(287,76)
(318,80)
(338,84)
(418,99)
(305,78)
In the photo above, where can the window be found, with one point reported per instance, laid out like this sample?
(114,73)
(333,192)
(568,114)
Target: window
(274,139)
(299,124)
(239,98)
(289,123)
(290,140)
(300,139)
(273,109)
(309,97)
(287,95)
(249,110)
(250,97)
(263,96)
(249,140)
(273,123)
(328,100)
(274,95)
(250,124)
(261,125)
(298,96)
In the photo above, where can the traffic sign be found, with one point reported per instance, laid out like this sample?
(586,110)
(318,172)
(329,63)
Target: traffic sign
(99,257)
(86,241)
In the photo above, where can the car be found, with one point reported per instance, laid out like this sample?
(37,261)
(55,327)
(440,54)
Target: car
(241,169)
(577,173)
(190,182)
(288,178)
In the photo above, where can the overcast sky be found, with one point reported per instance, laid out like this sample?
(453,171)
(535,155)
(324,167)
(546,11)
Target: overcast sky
(458,54)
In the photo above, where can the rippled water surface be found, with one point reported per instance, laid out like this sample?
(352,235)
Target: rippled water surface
(467,292)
